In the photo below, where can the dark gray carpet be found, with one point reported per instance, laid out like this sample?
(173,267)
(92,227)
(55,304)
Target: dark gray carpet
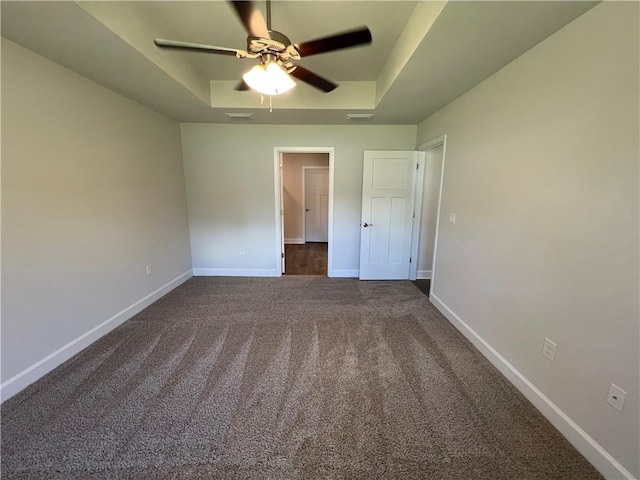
(289,378)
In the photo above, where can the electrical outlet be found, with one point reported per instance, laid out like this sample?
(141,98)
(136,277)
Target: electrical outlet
(616,397)
(549,349)
(241,250)
(452,218)
(149,270)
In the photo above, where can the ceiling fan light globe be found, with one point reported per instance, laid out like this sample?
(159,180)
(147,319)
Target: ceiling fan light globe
(281,79)
(269,80)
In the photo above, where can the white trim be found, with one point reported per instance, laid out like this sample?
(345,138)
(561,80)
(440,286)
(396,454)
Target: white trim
(442,140)
(417,215)
(587,446)
(345,273)
(433,143)
(330,226)
(423,274)
(277,152)
(32,373)
(237,272)
(294,241)
(279,213)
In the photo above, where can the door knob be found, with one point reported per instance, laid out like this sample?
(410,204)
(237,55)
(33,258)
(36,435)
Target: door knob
(365,224)
(307,209)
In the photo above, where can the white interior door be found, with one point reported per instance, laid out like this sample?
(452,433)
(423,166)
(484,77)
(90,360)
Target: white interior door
(316,189)
(388,187)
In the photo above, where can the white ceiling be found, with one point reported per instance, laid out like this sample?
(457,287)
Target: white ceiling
(424,54)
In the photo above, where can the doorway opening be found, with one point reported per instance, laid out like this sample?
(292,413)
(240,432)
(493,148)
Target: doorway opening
(304,209)
(428,200)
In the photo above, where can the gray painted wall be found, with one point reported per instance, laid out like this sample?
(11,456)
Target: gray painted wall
(541,170)
(229,171)
(92,192)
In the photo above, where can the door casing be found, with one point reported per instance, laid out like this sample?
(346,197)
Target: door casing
(436,142)
(279,213)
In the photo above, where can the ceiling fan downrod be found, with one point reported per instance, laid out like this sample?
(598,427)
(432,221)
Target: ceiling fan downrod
(268,14)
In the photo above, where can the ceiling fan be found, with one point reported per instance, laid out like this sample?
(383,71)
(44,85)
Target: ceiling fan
(275,52)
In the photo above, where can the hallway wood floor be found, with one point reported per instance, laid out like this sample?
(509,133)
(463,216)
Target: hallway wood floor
(423,285)
(307,259)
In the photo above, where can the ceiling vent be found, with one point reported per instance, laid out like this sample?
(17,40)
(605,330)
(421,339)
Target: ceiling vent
(359,117)
(239,116)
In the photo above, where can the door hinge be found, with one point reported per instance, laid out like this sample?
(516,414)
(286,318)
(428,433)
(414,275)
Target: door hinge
(417,166)
(409,259)
(414,215)
(282,255)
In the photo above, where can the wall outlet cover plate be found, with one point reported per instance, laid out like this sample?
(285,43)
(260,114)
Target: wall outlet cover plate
(616,397)
(549,349)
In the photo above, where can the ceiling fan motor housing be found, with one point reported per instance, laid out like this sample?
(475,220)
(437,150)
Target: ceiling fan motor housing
(278,45)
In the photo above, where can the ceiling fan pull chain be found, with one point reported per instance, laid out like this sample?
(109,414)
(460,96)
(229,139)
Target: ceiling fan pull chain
(270,105)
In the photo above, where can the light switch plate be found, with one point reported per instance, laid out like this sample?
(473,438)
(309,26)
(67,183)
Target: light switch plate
(452,218)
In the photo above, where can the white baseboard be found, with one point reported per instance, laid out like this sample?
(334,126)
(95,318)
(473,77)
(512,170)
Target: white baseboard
(256,272)
(32,373)
(294,241)
(344,273)
(236,272)
(587,446)
(423,274)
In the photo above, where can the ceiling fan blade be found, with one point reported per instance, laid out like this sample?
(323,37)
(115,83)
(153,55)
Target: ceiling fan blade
(242,86)
(312,79)
(251,18)
(352,38)
(160,42)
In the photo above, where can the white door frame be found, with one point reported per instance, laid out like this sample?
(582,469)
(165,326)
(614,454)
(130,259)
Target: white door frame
(279,213)
(417,215)
(436,142)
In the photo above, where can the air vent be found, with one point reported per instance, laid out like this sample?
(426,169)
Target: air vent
(239,116)
(359,117)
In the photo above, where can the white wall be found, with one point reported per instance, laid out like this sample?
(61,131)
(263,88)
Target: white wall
(92,192)
(541,170)
(229,171)
(293,200)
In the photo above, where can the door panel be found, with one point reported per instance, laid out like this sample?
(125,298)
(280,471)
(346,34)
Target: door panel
(388,184)
(386,175)
(316,185)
